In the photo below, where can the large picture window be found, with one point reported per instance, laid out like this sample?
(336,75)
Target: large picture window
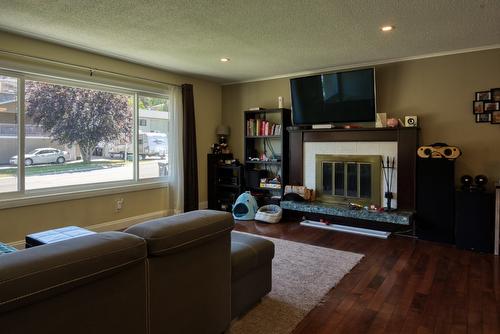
(75,134)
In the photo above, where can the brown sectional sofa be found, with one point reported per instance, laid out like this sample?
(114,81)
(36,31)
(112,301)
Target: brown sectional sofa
(169,275)
(91,284)
(189,271)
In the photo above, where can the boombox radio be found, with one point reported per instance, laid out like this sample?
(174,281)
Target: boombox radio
(439,150)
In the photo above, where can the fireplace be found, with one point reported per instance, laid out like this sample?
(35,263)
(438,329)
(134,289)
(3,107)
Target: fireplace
(400,143)
(348,178)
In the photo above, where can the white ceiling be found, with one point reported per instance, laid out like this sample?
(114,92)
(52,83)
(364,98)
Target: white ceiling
(262,38)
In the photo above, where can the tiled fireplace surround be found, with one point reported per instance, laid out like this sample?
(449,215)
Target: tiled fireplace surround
(384,149)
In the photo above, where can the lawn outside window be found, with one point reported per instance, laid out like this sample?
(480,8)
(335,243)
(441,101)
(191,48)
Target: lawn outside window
(62,136)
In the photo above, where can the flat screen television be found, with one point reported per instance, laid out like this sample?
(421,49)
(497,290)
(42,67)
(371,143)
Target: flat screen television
(335,98)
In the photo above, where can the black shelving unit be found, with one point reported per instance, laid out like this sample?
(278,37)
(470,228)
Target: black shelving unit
(225,182)
(275,148)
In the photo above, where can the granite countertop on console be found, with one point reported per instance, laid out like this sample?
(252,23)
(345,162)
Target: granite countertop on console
(395,217)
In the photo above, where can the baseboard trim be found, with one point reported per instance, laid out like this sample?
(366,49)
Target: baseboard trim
(114,225)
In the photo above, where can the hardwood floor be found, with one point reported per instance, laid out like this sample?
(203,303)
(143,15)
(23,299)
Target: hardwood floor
(400,286)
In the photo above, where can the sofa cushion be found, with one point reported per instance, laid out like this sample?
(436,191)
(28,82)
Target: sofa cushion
(174,233)
(248,252)
(51,268)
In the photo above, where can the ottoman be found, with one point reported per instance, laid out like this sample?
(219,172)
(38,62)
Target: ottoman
(251,268)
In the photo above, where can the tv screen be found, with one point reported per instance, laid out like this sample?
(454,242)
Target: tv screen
(342,97)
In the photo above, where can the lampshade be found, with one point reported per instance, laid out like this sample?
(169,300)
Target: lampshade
(222,130)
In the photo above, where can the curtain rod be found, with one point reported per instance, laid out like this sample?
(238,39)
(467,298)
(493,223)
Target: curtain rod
(81,67)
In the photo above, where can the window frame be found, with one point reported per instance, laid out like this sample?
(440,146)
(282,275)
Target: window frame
(23,196)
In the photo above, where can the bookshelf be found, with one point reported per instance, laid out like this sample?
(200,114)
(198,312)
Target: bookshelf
(266,150)
(225,182)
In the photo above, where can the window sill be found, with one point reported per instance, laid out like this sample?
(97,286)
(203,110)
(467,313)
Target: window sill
(61,194)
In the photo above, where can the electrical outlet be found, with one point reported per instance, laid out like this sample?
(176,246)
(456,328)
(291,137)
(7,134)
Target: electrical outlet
(119,205)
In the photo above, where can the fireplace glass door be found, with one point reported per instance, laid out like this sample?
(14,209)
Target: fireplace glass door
(345,178)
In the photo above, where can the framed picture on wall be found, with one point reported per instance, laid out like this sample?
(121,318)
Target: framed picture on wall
(478,107)
(483,118)
(495,117)
(491,106)
(484,95)
(495,94)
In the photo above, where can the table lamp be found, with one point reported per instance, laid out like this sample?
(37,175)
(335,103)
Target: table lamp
(222,132)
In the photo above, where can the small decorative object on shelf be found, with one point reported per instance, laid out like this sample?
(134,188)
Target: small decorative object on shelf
(466,181)
(392,122)
(381,121)
(216,149)
(411,121)
(481,181)
(280,101)
(274,183)
(388,168)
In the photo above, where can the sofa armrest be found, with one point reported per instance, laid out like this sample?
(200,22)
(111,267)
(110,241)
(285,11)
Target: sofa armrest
(174,233)
(46,270)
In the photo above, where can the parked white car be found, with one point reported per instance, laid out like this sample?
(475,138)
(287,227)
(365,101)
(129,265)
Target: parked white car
(44,155)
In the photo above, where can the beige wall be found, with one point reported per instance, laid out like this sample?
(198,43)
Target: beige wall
(438,90)
(15,223)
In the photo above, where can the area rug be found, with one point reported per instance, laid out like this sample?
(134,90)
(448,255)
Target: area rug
(302,275)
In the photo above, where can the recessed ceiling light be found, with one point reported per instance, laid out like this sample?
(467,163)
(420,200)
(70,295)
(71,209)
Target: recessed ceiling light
(387,28)
(224,60)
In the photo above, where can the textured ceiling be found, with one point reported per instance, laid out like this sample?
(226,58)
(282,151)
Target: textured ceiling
(262,38)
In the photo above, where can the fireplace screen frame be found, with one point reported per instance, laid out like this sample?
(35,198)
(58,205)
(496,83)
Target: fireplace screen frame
(376,186)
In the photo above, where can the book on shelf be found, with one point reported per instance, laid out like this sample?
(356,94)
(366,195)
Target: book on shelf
(260,127)
(270,185)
